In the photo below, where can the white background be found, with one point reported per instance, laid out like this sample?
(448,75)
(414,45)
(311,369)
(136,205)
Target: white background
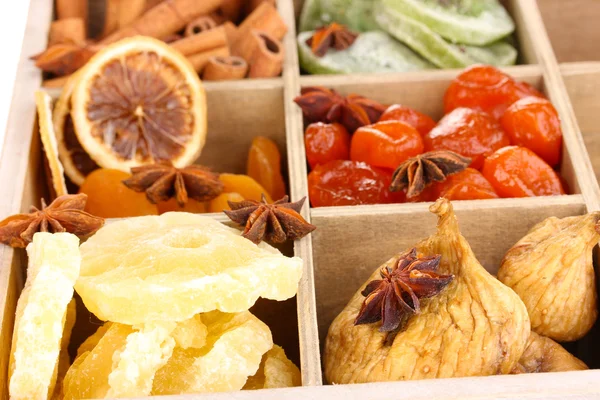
(12,28)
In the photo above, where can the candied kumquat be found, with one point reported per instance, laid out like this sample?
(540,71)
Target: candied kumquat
(220,203)
(485,88)
(343,183)
(326,142)
(468,132)
(518,172)
(533,123)
(385,144)
(264,166)
(247,187)
(108,197)
(469,184)
(421,122)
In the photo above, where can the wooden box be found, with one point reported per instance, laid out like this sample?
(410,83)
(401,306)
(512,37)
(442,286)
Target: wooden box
(351,242)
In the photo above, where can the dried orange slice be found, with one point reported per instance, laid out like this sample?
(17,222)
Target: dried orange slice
(43,102)
(138,101)
(176,265)
(77,163)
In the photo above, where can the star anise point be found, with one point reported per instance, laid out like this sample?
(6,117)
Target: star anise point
(334,35)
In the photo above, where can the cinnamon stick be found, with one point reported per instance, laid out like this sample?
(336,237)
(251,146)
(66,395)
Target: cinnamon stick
(72,9)
(201,42)
(165,18)
(201,24)
(200,60)
(231,32)
(266,19)
(253,4)
(232,9)
(267,60)
(67,30)
(120,13)
(225,68)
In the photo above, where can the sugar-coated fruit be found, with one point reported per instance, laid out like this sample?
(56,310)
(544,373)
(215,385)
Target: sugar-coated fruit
(264,166)
(326,142)
(397,112)
(245,186)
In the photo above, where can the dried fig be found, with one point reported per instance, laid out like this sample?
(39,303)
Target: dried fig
(551,269)
(474,326)
(545,355)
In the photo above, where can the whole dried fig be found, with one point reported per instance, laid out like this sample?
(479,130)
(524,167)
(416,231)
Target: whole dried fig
(545,355)
(551,269)
(474,326)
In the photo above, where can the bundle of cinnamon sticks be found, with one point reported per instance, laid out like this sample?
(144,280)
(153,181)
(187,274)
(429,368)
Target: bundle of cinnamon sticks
(223,39)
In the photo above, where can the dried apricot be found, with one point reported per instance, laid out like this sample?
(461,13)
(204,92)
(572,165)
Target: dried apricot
(343,183)
(485,88)
(467,132)
(192,206)
(518,172)
(421,122)
(247,187)
(264,166)
(220,203)
(108,197)
(533,123)
(385,144)
(326,142)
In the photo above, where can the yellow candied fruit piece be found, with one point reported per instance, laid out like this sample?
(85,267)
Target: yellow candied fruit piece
(275,371)
(64,360)
(234,348)
(191,333)
(177,265)
(92,341)
(247,187)
(220,203)
(54,263)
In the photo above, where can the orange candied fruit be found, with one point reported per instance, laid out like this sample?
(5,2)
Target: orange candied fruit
(421,122)
(264,166)
(191,206)
(108,197)
(344,183)
(518,172)
(485,88)
(220,203)
(385,144)
(326,142)
(468,132)
(533,122)
(247,187)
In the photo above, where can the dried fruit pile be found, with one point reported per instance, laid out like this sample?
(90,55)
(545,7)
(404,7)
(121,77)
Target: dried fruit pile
(221,39)
(173,292)
(499,138)
(435,312)
(136,113)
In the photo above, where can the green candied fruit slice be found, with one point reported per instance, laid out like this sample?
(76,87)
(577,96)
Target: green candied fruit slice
(437,50)
(473,22)
(371,52)
(355,14)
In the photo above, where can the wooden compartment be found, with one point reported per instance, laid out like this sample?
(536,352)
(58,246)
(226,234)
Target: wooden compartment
(350,239)
(573,28)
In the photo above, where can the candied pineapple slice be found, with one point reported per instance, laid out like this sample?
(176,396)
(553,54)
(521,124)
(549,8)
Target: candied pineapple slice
(275,371)
(64,360)
(191,333)
(176,265)
(54,263)
(146,351)
(234,347)
(119,361)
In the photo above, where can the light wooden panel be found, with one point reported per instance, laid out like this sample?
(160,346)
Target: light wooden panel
(572,26)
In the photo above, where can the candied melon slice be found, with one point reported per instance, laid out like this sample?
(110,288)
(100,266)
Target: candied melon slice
(54,263)
(92,340)
(275,371)
(176,265)
(235,346)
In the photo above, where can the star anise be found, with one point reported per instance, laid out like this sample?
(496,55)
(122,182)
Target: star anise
(65,214)
(162,180)
(396,296)
(334,35)
(416,173)
(275,222)
(320,104)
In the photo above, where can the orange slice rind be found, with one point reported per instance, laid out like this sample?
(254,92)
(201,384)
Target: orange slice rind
(138,101)
(43,103)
